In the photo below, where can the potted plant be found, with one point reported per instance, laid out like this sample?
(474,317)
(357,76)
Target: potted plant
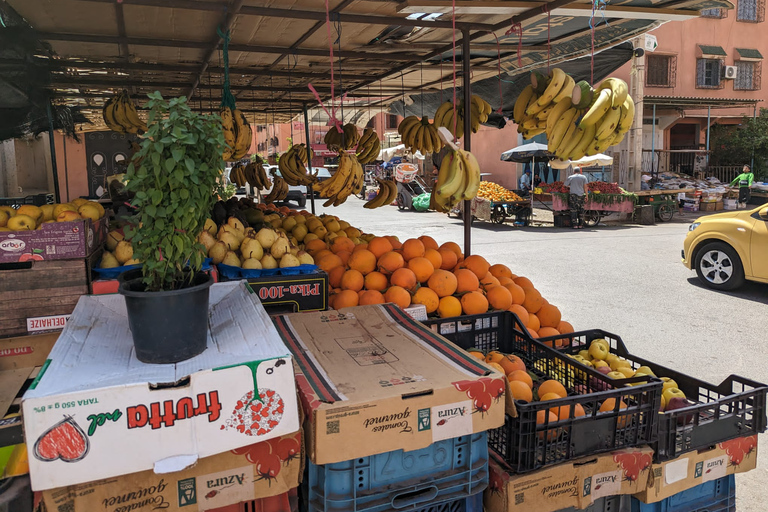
(175,178)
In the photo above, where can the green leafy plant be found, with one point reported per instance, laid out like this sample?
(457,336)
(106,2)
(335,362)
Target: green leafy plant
(741,144)
(176,179)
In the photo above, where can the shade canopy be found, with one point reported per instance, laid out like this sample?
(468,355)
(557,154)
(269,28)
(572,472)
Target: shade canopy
(597,160)
(526,153)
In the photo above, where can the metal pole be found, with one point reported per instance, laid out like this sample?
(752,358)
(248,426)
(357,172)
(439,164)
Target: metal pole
(54,168)
(709,111)
(467,83)
(752,160)
(653,143)
(310,192)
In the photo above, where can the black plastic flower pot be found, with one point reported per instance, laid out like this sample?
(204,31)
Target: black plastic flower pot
(134,273)
(169,326)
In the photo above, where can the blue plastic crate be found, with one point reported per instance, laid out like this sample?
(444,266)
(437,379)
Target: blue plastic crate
(608,504)
(472,504)
(714,496)
(445,471)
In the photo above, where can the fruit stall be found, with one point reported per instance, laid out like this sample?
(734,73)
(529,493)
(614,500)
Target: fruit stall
(217,353)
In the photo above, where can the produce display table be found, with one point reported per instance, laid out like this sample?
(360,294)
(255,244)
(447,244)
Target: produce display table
(622,205)
(497,212)
(664,202)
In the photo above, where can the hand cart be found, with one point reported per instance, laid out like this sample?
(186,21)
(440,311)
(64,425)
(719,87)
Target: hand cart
(409,185)
(664,202)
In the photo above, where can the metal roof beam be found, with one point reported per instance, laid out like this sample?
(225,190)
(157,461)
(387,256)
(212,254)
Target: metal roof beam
(94,82)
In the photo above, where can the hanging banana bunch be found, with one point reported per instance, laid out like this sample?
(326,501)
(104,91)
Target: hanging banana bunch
(348,179)
(457,180)
(419,135)
(279,190)
(368,147)
(447,113)
(347,139)
(120,114)
(237,134)
(256,175)
(293,164)
(387,194)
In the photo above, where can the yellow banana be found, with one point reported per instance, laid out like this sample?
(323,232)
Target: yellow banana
(555,85)
(581,148)
(566,90)
(598,108)
(627,115)
(521,104)
(561,126)
(557,111)
(619,89)
(608,123)
(473,176)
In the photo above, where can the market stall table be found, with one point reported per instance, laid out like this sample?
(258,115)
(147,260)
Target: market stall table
(595,209)
(664,202)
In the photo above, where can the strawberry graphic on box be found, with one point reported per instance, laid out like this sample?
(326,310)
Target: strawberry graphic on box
(256,417)
(482,391)
(65,441)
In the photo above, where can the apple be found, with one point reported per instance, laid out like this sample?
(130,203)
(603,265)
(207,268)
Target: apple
(4,216)
(626,371)
(598,351)
(610,358)
(31,211)
(585,354)
(89,211)
(616,375)
(663,403)
(646,370)
(605,370)
(68,216)
(671,393)
(597,363)
(63,207)
(619,363)
(668,383)
(21,222)
(680,403)
(602,342)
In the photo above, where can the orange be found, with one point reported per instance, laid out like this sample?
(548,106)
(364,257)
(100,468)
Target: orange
(505,281)
(449,258)
(327,262)
(444,283)
(434,257)
(533,301)
(474,353)
(533,322)
(334,276)
(552,386)
(549,316)
(523,282)
(609,405)
(499,298)
(474,303)
(488,282)
(494,356)
(549,396)
(547,418)
(454,247)
(477,264)
(546,332)
(520,391)
(533,334)
(518,294)
(520,376)
(360,247)
(564,411)
(413,248)
(467,281)
(346,299)
(363,261)
(497,367)
(429,242)
(421,267)
(376,281)
(344,255)
(564,327)
(511,363)
(379,246)
(371,297)
(390,261)
(341,243)
(398,295)
(427,297)
(394,241)
(315,246)
(450,306)
(498,270)
(321,254)
(332,300)
(352,280)
(403,277)
(521,312)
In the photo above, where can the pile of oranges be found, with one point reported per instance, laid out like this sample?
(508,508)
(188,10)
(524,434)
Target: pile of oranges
(419,271)
(496,193)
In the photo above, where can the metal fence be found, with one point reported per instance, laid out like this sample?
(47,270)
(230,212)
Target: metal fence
(724,173)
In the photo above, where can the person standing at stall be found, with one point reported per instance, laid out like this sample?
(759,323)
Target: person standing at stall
(577,184)
(744,180)
(525,182)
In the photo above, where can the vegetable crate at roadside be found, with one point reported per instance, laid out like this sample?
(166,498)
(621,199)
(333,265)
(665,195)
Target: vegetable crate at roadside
(708,413)
(584,423)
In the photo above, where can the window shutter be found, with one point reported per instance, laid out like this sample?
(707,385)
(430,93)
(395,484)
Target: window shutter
(700,67)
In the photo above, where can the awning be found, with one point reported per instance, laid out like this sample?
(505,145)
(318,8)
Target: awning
(599,160)
(749,54)
(712,52)
(692,102)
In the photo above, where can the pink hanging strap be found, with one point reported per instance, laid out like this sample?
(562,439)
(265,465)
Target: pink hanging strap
(517,28)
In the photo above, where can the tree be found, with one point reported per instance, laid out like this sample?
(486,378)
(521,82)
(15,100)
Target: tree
(739,144)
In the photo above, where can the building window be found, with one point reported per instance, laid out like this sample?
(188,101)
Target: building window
(708,74)
(391,122)
(714,13)
(747,76)
(660,70)
(752,11)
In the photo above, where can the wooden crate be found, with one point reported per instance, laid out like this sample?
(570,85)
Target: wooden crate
(39,288)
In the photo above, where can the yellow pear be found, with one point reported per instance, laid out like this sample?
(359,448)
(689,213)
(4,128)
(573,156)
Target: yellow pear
(266,237)
(252,263)
(305,258)
(210,226)
(218,251)
(206,239)
(231,241)
(251,248)
(280,247)
(231,259)
(289,260)
(123,251)
(236,223)
(267,261)
(113,238)
(108,260)
(132,261)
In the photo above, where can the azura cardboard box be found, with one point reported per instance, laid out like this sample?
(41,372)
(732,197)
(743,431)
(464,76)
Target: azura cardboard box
(694,468)
(373,380)
(257,471)
(95,411)
(575,484)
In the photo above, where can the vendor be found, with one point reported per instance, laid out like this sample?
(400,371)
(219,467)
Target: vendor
(525,182)
(577,185)
(744,181)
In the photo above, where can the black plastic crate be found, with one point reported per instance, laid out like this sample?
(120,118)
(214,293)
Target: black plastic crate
(734,408)
(36,200)
(526,446)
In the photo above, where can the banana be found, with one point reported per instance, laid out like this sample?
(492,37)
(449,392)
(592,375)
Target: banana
(608,123)
(473,176)
(619,89)
(568,139)
(601,145)
(598,108)
(453,178)
(442,110)
(561,126)
(530,123)
(132,114)
(521,104)
(566,90)
(405,123)
(437,142)
(568,145)
(627,116)
(109,117)
(555,85)
(581,148)
(244,134)
(379,199)
(557,111)
(535,107)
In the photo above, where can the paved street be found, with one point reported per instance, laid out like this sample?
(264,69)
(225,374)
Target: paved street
(625,279)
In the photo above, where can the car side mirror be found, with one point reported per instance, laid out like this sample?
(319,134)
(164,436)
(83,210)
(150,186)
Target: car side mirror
(763,213)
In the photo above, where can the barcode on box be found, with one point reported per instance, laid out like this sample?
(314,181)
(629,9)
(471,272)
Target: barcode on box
(519,498)
(332,427)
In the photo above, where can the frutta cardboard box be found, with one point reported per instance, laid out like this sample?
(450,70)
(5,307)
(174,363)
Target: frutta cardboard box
(575,484)
(695,468)
(257,471)
(53,241)
(372,380)
(96,412)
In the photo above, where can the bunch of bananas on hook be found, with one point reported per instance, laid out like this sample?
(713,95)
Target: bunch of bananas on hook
(368,147)
(347,180)
(237,134)
(346,139)
(293,166)
(387,194)
(457,180)
(447,114)
(419,135)
(120,114)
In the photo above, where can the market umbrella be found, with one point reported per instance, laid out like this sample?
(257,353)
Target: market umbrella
(598,160)
(527,153)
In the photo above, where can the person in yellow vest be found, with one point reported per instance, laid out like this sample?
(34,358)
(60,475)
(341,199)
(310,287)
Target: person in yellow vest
(744,180)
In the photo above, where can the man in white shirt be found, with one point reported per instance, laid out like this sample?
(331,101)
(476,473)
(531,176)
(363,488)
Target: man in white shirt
(525,182)
(577,183)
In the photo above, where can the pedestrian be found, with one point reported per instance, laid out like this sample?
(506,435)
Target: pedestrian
(744,181)
(525,182)
(577,184)
(536,181)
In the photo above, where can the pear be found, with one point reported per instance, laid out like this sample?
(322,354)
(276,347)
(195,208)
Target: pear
(206,239)
(132,261)
(218,251)
(233,231)
(251,248)
(113,238)
(294,249)
(289,223)
(123,251)
(108,260)
(236,223)
(299,232)
(231,241)
(231,259)
(280,247)
(252,263)
(250,233)
(267,261)
(210,226)
(276,223)
(289,260)
(305,258)
(266,237)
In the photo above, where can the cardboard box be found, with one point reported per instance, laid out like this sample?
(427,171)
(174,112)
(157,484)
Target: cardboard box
(96,412)
(303,292)
(575,484)
(257,471)
(695,468)
(373,380)
(54,241)
(718,206)
(708,207)
(26,351)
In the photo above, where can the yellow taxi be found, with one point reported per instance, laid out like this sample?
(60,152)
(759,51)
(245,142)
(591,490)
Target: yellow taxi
(727,248)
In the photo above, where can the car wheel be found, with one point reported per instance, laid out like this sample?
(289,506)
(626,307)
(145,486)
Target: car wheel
(719,267)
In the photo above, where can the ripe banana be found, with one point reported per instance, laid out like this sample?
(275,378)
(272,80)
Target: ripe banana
(557,80)
(347,139)
(560,128)
(420,135)
(368,147)
(566,90)
(598,109)
(292,165)
(279,191)
(619,89)
(120,114)
(627,116)
(518,112)
(458,179)
(581,148)
(608,123)
(385,195)
(554,116)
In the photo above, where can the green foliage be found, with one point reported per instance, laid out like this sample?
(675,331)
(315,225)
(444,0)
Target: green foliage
(738,144)
(176,178)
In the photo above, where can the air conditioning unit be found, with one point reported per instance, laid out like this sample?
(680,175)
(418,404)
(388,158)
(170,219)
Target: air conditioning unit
(729,72)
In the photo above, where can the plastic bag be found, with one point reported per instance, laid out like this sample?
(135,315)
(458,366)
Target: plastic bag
(421,203)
